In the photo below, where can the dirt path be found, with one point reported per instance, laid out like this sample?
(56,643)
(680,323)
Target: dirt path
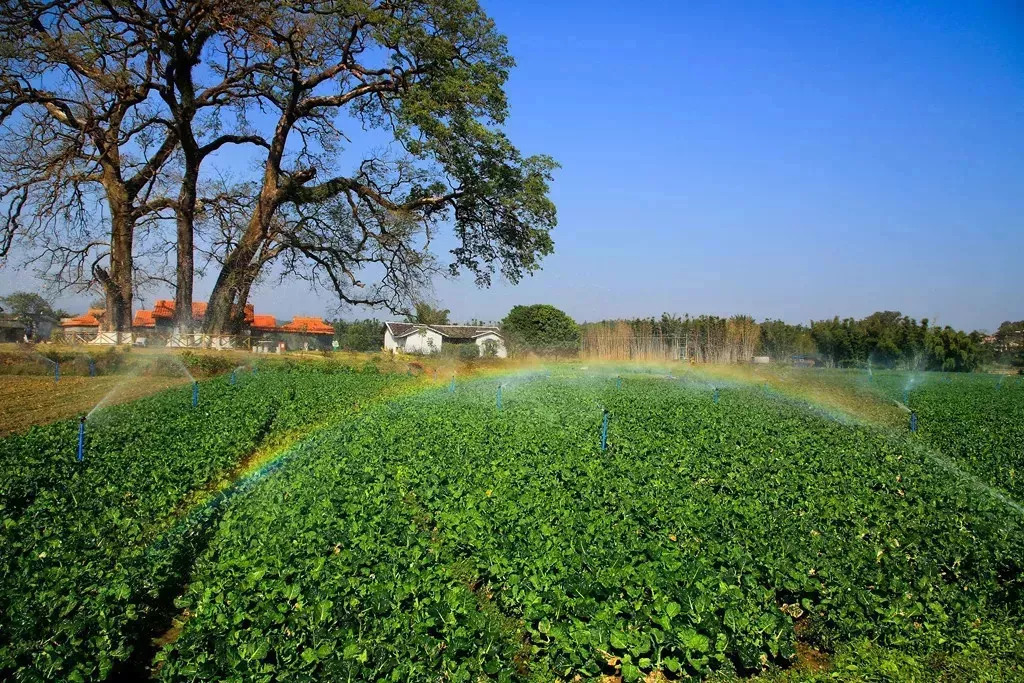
(30,400)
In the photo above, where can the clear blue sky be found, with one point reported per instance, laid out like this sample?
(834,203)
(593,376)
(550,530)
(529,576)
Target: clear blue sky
(791,159)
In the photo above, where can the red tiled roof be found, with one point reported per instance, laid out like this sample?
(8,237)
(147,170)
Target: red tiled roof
(263,323)
(308,326)
(89,319)
(164,309)
(144,319)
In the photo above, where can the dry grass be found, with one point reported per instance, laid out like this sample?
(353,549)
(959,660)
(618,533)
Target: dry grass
(27,400)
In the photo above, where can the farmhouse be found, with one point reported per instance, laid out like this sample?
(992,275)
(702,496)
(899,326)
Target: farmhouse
(419,338)
(155,327)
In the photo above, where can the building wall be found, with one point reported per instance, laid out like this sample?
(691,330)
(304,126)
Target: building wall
(424,341)
(491,336)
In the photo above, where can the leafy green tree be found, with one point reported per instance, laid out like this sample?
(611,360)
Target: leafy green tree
(541,328)
(359,335)
(951,350)
(29,308)
(428,315)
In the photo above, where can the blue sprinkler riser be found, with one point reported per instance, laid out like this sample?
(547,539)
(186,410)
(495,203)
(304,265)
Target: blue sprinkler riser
(81,440)
(604,432)
(195,394)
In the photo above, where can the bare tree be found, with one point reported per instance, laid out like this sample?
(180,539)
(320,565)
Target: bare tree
(79,132)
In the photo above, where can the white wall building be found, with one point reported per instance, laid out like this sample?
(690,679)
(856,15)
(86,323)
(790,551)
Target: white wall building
(417,338)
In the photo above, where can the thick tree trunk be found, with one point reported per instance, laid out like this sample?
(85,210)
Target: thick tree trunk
(238,272)
(185,269)
(118,285)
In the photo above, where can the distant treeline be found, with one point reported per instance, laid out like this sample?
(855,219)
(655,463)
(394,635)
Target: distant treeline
(887,339)
(884,339)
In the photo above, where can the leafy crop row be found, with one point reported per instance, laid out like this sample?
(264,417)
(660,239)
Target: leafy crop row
(438,537)
(82,582)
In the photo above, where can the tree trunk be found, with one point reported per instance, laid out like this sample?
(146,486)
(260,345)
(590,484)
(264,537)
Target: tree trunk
(238,272)
(185,269)
(118,286)
(232,281)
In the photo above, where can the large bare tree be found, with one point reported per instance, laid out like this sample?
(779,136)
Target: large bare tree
(78,130)
(129,98)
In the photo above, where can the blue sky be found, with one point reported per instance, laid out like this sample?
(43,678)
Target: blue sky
(798,160)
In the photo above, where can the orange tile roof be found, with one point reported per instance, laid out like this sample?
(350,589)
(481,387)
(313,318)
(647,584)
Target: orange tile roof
(164,309)
(263,323)
(308,325)
(88,319)
(144,319)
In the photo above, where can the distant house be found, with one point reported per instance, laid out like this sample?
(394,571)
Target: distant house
(86,325)
(12,329)
(155,327)
(161,318)
(419,338)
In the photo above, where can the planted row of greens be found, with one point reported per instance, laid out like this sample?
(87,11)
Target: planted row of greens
(440,537)
(82,583)
(976,420)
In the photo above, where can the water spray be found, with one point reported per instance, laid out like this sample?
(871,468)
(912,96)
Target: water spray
(81,439)
(906,396)
(195,394)
(604,431)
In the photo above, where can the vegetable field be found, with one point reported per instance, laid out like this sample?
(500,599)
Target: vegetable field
(472,534)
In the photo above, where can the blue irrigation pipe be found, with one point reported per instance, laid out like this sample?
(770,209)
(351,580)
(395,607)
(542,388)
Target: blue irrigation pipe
(499,397)
(56,371)
(913,421)
(233,378)
(604,432)
(195,394)
(81,439)
(618,382)
(92,368)
(714,397)
(451,387)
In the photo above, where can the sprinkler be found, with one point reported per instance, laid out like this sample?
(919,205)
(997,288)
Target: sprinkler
(451,387)
(195,394)
(714,397)
(81,439)
(618,382)
(56,371)
(499,397)
(92,368)
(604,432)
(913,421)
(233,378)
